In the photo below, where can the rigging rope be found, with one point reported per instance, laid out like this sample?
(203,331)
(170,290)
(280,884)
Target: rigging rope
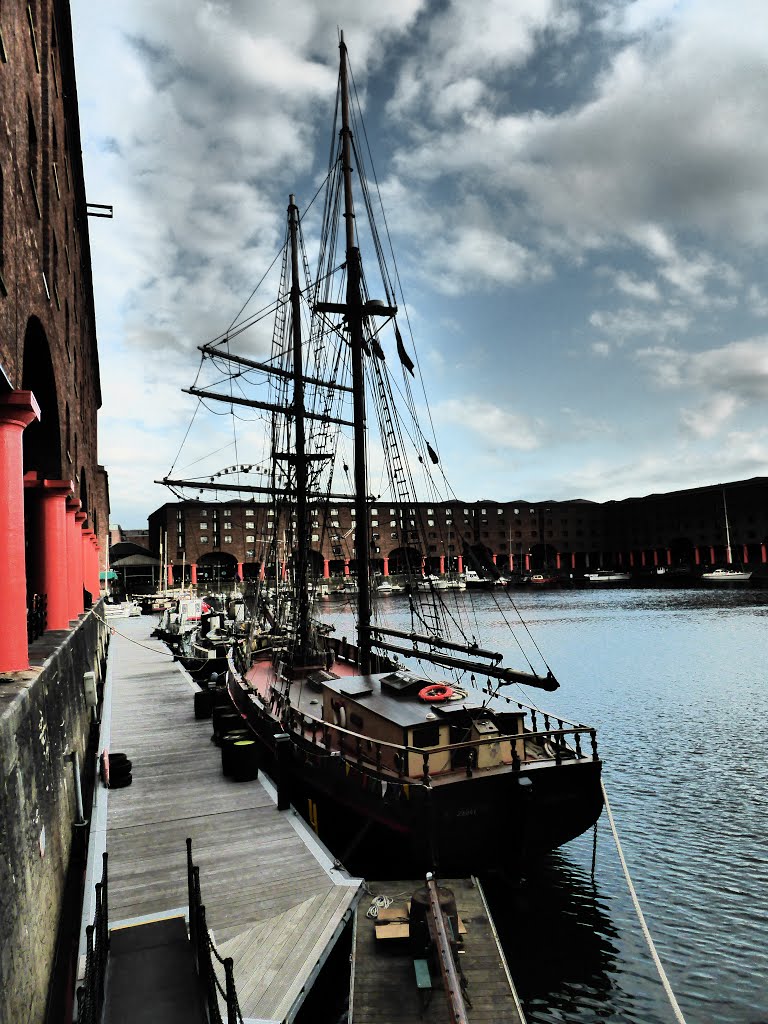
(655,956)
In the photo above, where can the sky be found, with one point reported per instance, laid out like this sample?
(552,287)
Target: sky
(576,192)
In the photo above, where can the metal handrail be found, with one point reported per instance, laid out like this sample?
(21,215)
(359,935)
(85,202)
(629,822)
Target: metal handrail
(90,995)
(204,953)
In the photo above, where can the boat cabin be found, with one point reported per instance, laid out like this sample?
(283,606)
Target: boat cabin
(456,728)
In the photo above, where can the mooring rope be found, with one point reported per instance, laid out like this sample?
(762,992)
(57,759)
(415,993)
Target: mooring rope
(116,632)
(656,959)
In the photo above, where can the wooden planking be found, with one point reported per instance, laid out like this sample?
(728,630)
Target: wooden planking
(384,987)
(269,901)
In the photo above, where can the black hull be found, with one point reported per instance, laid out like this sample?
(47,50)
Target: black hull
(487,822)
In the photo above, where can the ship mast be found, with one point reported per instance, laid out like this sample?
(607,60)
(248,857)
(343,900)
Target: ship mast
(354,314)
(299,456)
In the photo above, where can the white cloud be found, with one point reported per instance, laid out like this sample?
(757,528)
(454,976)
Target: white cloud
(493,426)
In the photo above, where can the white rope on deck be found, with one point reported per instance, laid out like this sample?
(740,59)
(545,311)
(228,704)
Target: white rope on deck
(657,961)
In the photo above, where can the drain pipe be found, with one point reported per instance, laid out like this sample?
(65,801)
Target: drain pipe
(78,789)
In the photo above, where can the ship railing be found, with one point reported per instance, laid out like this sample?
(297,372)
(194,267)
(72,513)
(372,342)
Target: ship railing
(90,995)
(205,953)
(390,761)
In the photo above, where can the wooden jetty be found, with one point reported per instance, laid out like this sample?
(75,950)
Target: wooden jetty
(275,899)
(387,986)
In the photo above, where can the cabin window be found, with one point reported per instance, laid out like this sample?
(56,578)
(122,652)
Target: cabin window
(315,537)
(426,736)
(250,539)
(203,540)
(249,514)
(374,522)
(227,512)
(374,512)
(203,512)
(483,512)
(430,511)
(227,538)
(203,526)
(393,535)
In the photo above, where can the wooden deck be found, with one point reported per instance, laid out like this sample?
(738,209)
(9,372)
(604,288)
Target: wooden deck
(383,984)
(274,900)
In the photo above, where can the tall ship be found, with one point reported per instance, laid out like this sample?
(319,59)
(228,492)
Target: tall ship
(406,747)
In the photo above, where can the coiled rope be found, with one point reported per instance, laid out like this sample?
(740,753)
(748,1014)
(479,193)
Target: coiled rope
(655,956)
(379,903)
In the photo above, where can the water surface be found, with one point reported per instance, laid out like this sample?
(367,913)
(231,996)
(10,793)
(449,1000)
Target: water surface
(675,683)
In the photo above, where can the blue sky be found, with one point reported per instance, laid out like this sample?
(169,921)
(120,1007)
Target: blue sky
(576,193)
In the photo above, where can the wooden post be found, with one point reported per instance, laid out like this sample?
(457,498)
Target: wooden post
(282,755)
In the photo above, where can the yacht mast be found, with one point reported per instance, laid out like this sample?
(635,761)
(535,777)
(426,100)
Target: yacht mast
(354,312)
(727,532)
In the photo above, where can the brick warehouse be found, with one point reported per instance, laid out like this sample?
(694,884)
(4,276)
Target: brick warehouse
(54,508)
(686,527)
(49,367)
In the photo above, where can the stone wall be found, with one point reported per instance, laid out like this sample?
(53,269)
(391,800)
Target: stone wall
(43,719)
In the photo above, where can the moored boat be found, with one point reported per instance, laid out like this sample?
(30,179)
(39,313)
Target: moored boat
(399,747)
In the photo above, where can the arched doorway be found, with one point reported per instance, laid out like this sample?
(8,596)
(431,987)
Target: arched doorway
(216,570)
(42,438)
(406,561)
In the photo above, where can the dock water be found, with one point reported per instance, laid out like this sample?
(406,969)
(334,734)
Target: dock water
(275,900)
(383,984)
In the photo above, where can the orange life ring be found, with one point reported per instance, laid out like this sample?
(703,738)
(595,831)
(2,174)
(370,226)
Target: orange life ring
(437,691)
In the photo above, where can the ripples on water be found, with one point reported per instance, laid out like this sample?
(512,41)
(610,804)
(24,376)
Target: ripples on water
(675,683)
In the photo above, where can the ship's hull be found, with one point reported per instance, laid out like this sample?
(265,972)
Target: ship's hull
(486,821)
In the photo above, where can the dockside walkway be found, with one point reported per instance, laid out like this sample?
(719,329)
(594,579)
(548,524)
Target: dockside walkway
(275,902)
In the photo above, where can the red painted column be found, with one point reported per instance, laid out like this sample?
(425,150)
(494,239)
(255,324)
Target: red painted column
(385,568)
(745,554)
(669,556)
(573,559)
(193,571)
(80,518)
(712,556)
(327,569)
(620,559)
(527,563)
(631,559)
(697,556)
(459,563)
(17,410)
(442,565)
(74,590)
(283,570)
(558,560)
(88,581)
(346,567)
(642,557)
(763,553)
(493,557)
(240,571)
(423,564)
(169,574)
(655,557)
(511,562)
